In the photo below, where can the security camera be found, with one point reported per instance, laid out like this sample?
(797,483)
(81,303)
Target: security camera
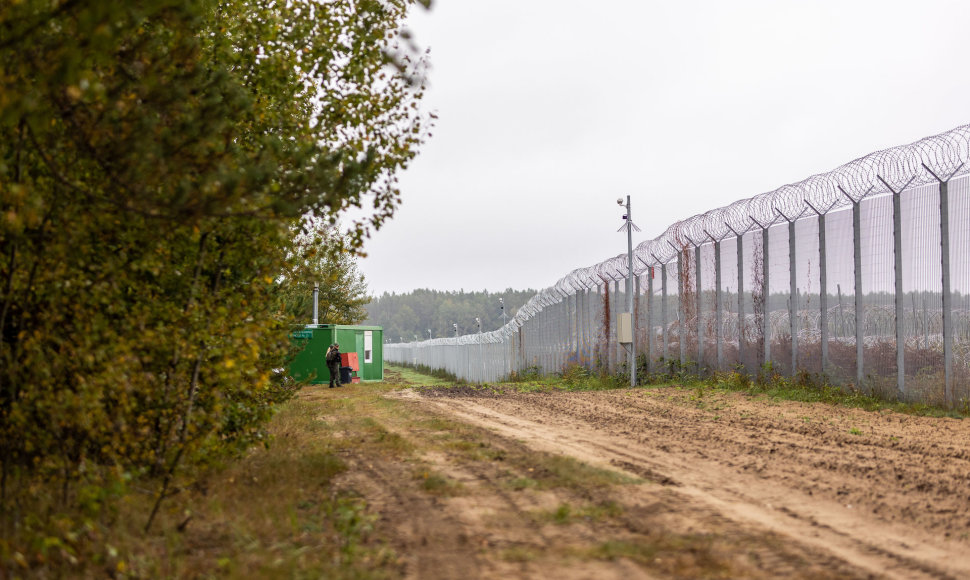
(619,201)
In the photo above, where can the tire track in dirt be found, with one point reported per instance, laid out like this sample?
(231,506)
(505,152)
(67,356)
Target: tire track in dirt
(425,540)
(887,496)
(477,532)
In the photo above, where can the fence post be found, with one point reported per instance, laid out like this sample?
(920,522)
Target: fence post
(898,267)
(857,274)
(581,325)
(578,326)
(681,315)
(947,298)
(697,307)
(857,299)
(562,331)
(587,326)
(766,297)
(823,300)
(559,334)
(572,309)
(741,298)
(718,314)
(663,306)
(578,321)
(596,330)
(650,307)
(792,298)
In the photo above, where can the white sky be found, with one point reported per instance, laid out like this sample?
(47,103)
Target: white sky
(549,110)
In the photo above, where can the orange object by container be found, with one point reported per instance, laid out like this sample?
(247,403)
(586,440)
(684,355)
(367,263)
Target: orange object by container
(349,359)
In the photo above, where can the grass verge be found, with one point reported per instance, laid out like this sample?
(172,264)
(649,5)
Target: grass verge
(803,387)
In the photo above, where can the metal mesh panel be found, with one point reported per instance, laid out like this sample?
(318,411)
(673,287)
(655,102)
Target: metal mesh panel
(672,312)
(808,297)
(618,303)
(841,303)
(775,305)
(959,214)
(878,283)
(729,299)
(640,315)
(592,323)
(751,307)
(707,314)
(657,318)
(922,301)
(600,319)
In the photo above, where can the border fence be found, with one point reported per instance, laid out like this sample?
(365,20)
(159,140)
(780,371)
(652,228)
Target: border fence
(861,274)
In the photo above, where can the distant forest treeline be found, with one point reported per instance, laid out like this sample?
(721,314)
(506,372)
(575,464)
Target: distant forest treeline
(414,313)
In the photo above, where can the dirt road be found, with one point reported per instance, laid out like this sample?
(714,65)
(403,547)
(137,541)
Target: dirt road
(843,492)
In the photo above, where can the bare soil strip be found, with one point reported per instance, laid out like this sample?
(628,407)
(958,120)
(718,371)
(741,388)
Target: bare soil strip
(848,493)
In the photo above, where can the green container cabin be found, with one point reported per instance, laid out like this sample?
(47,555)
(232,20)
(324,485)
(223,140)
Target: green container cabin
(310,362)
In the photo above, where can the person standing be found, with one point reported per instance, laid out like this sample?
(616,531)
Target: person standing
(333,364)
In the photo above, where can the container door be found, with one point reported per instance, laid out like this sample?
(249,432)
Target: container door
(367,363)
(359,336)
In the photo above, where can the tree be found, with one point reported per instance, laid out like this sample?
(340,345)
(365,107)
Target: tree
(323,257)
(154,159)
(414,313)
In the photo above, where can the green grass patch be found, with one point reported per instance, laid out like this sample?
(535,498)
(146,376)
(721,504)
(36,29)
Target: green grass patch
(438,484)
(521,483)
(415,377)
(683,556)
(808,388)
(520,554)
(567,514)
(459,439)
(550,471)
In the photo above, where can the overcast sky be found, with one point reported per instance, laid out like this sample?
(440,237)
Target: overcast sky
(549,110)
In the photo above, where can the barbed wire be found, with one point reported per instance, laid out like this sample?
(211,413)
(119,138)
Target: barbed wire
(945,156)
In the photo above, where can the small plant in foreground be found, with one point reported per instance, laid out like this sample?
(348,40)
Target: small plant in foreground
(437,484)
(530,373)
(573,374)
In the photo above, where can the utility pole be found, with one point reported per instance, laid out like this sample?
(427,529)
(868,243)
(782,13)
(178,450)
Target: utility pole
(481,352)
(629,289)
(316,302)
